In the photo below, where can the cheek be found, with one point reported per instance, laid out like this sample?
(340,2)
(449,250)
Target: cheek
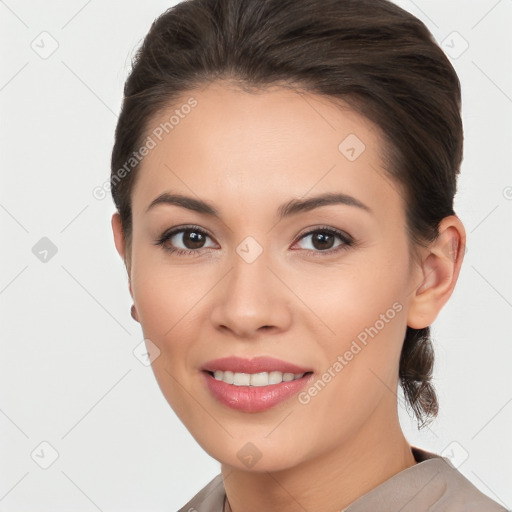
(357,296)
(167,295)
(168,300)
(364,307)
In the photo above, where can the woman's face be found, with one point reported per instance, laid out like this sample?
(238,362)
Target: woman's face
(325,286)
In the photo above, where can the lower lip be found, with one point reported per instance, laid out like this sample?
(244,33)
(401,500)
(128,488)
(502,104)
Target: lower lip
(254,398)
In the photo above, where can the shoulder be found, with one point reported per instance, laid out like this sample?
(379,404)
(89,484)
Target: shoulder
(209,499)
(431,485)
(456,492)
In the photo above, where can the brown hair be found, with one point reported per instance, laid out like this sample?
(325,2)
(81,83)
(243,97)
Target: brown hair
(371,54)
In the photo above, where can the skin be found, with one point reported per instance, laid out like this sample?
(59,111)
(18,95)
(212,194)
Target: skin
(247,154)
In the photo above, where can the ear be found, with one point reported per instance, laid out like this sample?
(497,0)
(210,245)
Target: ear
(117,229)
(440,267)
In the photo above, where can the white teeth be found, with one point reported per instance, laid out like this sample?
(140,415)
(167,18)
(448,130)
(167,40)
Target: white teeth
(259,379)
(228,377)
(241,379)
(255,379)
(275,377)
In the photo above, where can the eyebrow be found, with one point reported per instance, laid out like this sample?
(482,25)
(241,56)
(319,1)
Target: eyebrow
(292,207)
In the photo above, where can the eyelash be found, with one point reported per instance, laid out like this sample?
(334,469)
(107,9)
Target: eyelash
(346,239)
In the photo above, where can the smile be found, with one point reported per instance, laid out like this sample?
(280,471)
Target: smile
(255,379)
(253,385)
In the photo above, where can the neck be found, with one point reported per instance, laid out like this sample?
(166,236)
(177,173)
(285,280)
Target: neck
(331,481)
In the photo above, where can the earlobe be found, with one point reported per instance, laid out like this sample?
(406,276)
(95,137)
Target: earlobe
(440,269)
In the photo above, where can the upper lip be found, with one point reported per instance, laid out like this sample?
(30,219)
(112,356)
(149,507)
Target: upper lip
(254,365)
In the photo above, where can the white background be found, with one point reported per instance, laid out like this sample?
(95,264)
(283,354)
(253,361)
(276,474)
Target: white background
(68,376)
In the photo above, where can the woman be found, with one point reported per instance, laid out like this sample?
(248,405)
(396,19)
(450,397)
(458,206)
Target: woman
(284,174)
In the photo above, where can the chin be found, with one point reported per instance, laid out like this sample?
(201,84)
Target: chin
(254,453)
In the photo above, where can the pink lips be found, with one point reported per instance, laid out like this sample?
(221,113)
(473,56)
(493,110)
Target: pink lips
(253,398)
(255,365)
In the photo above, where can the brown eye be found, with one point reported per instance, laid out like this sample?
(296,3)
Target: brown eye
(184,241)
(193,239)
(324,240)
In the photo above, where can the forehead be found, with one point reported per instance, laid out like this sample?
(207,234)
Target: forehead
(238,147)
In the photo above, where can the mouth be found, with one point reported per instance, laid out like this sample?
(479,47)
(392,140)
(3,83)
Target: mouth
(261,364)
(255,379)
(253,385)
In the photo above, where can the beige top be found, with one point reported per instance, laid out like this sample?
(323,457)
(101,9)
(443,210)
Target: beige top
(432,485)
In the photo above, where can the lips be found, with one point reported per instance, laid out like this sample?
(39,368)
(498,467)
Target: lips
(255,365)
(253,398)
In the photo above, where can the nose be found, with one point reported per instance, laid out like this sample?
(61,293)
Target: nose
(251,299)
